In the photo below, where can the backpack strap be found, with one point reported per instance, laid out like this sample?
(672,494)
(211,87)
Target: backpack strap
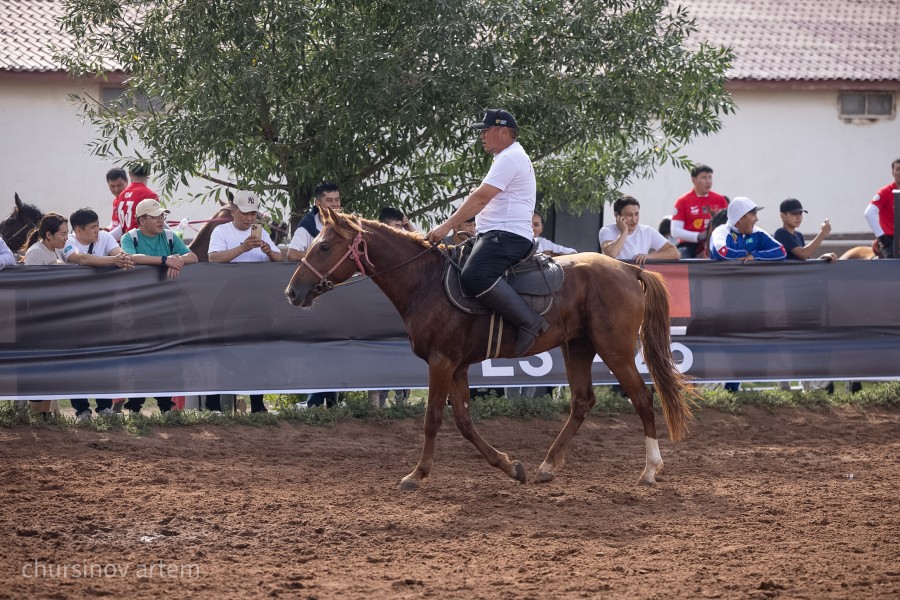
(170,236)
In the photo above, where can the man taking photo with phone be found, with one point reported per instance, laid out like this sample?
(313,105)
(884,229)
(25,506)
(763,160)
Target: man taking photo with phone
(242,240)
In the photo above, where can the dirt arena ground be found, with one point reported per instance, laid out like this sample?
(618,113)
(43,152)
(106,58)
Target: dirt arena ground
(790,504)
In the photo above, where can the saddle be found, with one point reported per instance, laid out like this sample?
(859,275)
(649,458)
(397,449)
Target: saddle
(535,278)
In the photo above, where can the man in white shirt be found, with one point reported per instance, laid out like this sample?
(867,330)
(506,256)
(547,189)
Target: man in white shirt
(236,242)
(90,246)
(504,204)
(627,239)
(327,195)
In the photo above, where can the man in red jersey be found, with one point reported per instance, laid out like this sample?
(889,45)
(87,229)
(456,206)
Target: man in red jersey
(694,210)
(880,213)
(123,218)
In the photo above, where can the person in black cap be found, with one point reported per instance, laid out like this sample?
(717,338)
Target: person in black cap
(504,204)
(792,240)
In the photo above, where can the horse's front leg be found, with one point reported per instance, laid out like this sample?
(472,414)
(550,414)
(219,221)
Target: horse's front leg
(459,397)
(440,373)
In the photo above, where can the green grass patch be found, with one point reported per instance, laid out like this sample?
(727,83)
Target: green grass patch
(356,405)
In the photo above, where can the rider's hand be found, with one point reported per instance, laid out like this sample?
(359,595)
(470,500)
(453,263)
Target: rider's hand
(438,233)
(826,227)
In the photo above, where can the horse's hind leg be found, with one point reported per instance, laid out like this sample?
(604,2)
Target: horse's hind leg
(578,369)
(459,398)
(642,400)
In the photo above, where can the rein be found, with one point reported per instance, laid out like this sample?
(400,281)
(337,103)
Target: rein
(27,226)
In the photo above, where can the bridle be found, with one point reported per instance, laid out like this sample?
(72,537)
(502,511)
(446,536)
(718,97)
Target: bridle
(27,226)
(358,249)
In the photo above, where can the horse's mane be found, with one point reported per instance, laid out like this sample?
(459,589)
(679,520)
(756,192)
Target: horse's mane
(348,225)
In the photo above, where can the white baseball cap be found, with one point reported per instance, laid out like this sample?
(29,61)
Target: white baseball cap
(246,202)
(739,207)
(149,207)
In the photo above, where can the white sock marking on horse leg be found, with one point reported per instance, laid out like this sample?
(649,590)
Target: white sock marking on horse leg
(654,459)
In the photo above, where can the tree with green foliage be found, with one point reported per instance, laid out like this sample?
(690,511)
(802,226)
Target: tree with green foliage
(377,95)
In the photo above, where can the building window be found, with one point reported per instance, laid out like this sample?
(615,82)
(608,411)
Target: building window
(866,105)
(114,98)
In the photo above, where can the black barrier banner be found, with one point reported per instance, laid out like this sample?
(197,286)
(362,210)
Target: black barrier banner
(81,332)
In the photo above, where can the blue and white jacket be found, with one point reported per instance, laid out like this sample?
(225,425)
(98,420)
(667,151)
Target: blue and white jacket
(728,244)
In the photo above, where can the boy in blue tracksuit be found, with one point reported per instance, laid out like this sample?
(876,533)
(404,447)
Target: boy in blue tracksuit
(740,239)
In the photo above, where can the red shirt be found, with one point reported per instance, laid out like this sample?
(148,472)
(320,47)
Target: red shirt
(696,212)
(884,200)
(126,202)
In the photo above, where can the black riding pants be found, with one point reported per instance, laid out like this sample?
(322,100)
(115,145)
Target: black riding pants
(494,252)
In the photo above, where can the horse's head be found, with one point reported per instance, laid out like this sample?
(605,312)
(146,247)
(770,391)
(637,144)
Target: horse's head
(334,256)
(23,218)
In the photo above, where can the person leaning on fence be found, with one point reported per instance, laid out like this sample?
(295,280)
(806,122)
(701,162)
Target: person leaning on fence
(90,246)
(7,258)
(152,244)
(502,206)
(880,213)
(792,240)
(694,210)
(45,243)
(233,242)
(628,239)
(740,239)
(327,195)
(545,246)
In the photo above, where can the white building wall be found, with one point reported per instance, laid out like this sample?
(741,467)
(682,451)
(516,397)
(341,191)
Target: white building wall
(782,144)
(46,157)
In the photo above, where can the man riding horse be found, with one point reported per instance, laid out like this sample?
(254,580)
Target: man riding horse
(502,206)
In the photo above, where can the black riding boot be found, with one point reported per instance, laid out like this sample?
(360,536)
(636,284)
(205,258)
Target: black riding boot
(502,299)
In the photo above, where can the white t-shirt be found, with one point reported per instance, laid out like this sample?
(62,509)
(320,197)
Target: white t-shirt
(227,237)
(642,241)
(510,210)
(545,245)
(102,247)
(39,254)
(302,239)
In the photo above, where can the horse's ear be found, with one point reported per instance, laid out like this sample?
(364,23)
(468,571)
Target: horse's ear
(230,197)
(328,216)
(18,200)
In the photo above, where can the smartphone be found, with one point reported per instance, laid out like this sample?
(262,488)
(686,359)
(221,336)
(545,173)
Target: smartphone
(256,231)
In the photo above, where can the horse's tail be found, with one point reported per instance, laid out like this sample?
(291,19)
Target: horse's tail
(675,392)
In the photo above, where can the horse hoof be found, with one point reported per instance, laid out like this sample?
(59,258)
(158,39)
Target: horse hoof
(408,485)
(646,482)
(519,472)
(544,476)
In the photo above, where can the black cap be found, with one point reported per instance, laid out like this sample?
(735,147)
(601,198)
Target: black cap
(792,205)
(496,117)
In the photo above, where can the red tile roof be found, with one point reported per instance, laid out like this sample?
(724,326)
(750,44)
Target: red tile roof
(803,40)
(773,40)
(27,30)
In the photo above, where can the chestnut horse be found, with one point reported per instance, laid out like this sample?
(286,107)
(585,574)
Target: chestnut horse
(602,308)
(15,228)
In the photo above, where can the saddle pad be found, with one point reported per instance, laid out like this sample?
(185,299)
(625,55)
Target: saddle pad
(535,279)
